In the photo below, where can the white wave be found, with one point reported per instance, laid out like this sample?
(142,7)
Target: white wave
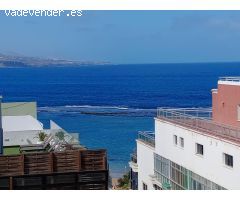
(101,107)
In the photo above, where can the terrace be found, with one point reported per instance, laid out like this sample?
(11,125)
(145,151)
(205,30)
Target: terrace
(58,162)
(199,119)
(133,157)
(230,78)
(147,137)
(38,158)
(47,141)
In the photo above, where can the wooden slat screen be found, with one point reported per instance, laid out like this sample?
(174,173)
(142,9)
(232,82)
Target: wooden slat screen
(43,163)
(37,163)
(66,161)
(93,160)
(11,165)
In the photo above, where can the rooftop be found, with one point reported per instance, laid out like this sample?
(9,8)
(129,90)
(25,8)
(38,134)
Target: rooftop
(230,78)
(199,119)
(20,123)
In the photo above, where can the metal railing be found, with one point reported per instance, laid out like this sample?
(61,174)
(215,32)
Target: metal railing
(200,120)
(203,113)
(147,137)
(134,157)
(230,78)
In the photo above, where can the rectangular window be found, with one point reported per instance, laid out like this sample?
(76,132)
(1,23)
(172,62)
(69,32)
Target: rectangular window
(175,139)
(181,142)
(156,187)
(228,160)
(145,187)
(199,149)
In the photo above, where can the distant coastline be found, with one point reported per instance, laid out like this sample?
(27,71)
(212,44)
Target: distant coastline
(23,61)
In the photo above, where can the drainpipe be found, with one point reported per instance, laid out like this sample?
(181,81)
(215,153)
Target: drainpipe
(1,129)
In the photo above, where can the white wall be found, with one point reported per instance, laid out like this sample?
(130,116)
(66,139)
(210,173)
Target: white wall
(54,126)
(145,165)
(210,165)
(20,138)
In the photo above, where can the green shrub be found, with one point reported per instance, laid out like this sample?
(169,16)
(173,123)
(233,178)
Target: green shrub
(124,182)
(60,135)
(42,136)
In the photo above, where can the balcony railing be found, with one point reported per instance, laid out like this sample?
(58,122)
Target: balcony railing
(147,137)
(199,120)
(230,78)
(202,113)
(134,157)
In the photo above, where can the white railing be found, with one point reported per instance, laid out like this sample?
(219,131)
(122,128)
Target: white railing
(199,119)
(203,113)
(230,78)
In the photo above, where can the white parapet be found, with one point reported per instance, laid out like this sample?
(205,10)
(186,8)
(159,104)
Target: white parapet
(211,165)
(235,80)
(145,162)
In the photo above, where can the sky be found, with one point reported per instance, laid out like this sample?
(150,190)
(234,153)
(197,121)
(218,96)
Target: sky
(126,37)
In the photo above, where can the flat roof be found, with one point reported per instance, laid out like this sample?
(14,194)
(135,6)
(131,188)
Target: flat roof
(200,120)
(230,80)
(21,123)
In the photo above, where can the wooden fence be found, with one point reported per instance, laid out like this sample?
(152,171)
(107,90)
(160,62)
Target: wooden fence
(84,169)
(67,161)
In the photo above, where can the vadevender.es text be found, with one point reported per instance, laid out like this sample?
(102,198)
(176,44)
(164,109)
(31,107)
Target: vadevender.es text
(41,13)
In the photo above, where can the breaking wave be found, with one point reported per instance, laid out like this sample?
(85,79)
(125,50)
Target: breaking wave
(99,110)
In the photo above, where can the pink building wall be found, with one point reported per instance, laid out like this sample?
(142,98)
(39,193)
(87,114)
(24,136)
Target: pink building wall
(225,101)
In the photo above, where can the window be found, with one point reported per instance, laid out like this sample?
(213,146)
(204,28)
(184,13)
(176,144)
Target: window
(156,187)
(181,142)
(145,187)
(199,149)
(228,160)
(175,140)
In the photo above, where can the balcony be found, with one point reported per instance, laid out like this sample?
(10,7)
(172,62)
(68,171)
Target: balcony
(147,137)
(134,157)
(199,119)
(133,162)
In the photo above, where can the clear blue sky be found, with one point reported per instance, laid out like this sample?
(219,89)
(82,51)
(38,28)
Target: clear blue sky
(126,36)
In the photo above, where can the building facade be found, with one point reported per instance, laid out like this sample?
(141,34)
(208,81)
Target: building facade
(194,149)
(21,126)
(33,157)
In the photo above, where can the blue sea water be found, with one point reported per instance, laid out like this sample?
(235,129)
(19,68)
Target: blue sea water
(108,105)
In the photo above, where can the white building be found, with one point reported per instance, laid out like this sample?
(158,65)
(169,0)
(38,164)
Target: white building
(20,130)
(21,126)
(193,148)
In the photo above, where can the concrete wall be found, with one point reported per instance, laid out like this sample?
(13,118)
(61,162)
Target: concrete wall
(210,165)
(145,165)
(20,138)
(225,103)
(19,108)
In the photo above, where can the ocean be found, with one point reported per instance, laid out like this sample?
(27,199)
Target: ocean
(108,104)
